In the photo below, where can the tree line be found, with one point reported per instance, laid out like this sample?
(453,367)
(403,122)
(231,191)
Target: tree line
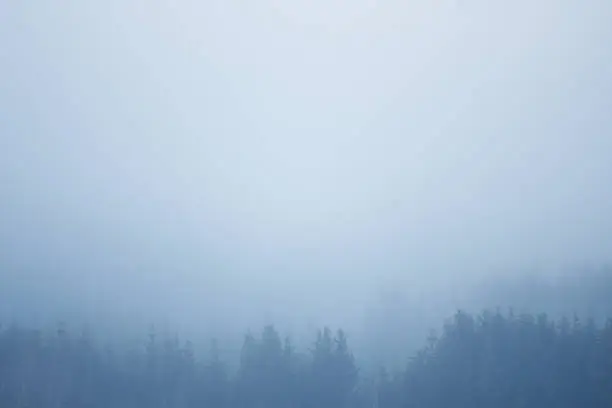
(492,359)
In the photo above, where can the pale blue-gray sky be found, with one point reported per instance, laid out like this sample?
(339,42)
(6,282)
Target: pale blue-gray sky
(252,156)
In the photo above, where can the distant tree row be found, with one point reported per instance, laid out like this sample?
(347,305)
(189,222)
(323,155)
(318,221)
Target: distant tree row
(59,370)
(497,360)
(490,360)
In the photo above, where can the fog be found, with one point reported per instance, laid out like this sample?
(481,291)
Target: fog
(209,166)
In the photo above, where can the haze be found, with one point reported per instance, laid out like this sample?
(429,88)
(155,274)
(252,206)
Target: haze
(211,165)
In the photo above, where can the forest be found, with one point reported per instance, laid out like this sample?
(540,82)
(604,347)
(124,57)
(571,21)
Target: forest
(305,204)
(491,359)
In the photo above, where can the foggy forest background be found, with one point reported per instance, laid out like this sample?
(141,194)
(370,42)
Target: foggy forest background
(305,204)
(536,355)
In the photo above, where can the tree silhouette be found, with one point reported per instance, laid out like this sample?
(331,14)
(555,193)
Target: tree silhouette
(487,360)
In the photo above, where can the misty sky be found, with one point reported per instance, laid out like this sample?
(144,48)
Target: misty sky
(286,159)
